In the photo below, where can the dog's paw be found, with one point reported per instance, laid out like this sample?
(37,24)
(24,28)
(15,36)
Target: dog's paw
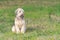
(13,29)
(23,29)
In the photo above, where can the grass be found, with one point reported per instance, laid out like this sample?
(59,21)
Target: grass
(40,24)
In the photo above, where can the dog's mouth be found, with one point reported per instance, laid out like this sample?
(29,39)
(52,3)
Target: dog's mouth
(20,17)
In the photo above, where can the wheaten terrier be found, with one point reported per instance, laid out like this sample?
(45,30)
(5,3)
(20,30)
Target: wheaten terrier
(19,25)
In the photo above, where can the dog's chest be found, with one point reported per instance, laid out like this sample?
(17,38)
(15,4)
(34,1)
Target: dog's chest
(19,22)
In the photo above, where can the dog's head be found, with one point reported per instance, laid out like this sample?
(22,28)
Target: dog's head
(19,12)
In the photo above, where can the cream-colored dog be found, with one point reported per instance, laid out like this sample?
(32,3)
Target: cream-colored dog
(19,26)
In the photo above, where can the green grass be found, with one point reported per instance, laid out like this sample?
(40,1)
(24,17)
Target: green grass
(40,24)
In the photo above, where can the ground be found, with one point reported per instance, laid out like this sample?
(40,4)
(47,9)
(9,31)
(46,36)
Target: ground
(42,19)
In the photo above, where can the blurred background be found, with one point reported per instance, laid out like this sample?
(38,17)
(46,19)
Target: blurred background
(42,19)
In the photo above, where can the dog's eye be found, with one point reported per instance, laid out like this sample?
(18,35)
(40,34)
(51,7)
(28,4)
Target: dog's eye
(19,11)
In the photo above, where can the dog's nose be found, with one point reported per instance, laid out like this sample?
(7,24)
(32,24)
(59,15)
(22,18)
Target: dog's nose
(19,11)
(22,16)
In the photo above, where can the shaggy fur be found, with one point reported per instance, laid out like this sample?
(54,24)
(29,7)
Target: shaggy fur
(19,26)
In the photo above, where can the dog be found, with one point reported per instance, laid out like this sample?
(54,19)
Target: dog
(19,24)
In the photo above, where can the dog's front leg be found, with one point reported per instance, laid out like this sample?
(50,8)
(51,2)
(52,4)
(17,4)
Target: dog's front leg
(17,30)
(23,29)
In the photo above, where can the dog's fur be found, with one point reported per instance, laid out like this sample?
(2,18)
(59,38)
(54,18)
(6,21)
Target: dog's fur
(19,26)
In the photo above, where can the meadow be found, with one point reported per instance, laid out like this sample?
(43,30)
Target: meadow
(42,19)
